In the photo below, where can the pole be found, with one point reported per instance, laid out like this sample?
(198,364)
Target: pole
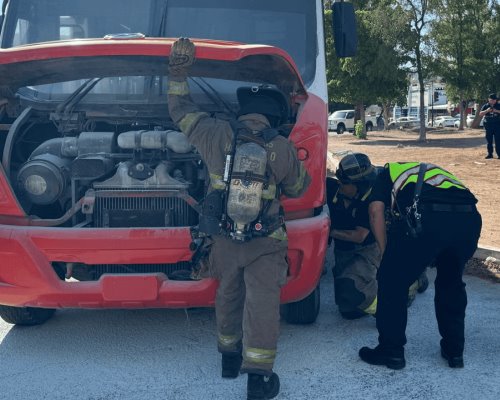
(432,104)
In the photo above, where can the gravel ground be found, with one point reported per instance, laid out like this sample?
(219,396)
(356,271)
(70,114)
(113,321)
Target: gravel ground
(170,354)
(486,269)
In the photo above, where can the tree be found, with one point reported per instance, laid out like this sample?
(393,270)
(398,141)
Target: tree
(417,44)
(374,75)
(467,37)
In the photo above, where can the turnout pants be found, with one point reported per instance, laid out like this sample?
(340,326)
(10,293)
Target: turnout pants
(355,279)
(493,134)
(449,239)
(247,304)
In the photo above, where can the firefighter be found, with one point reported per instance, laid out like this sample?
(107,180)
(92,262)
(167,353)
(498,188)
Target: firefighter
(435,220)
(357,255)
(248,259)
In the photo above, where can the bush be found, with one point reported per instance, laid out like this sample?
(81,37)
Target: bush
(358,130)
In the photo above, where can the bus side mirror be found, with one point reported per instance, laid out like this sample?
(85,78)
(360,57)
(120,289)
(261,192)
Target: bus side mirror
(344,29)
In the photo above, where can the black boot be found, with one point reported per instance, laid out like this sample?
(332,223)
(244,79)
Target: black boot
(231,364)
(260,387)
(380,356)
(453,361)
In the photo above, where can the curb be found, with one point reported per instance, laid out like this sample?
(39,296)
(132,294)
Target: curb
(483,252)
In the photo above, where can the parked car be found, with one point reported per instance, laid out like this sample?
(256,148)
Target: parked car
(470,119)
(343,120)
(404,123)
(443,121)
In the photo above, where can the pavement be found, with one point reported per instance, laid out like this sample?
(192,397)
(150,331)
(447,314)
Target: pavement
(171,354)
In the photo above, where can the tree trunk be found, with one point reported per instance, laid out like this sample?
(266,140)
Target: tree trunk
(360,111)
(422,135)
(463,112)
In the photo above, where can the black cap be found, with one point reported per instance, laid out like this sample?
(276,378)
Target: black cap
(492,96)
(355,168)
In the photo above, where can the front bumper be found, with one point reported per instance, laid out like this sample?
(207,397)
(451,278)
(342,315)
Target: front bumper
(27,277)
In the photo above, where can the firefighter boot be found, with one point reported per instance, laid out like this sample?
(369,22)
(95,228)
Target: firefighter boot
(393,359)
(231,364)
(260,387)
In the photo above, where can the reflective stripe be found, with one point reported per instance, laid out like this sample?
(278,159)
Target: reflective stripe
(299,185)
(178,88)
(229,340)
(269,193)
(279,234)
(259,356)
(216,182)
(372,308)
(402,174)
(190,120)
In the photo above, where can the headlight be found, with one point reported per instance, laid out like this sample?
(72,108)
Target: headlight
(44,178)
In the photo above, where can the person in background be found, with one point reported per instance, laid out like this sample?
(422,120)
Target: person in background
(491,113)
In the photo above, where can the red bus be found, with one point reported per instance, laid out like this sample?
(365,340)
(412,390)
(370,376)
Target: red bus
(87,221)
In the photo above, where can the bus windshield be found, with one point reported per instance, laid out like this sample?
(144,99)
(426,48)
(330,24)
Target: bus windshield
(288,24)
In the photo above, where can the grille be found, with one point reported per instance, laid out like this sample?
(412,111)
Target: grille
(179,271)
(83,272)
(133,210)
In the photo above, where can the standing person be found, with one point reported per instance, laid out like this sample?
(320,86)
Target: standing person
(435,219)
(357,255)
(491,113)
(248,258)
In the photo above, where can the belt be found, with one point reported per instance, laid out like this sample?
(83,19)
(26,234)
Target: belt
(449,207)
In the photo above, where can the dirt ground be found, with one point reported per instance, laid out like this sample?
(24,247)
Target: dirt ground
(460,152)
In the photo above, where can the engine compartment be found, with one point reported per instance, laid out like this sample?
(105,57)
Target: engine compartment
(124,175)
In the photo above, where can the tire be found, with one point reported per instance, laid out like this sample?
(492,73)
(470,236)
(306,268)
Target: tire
(369,127)
(305,311)
(340,129)
(25,315)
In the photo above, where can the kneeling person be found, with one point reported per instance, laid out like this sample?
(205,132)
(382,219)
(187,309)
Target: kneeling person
(357,256)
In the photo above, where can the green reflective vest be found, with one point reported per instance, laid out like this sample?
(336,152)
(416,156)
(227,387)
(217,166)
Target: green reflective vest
(404,173)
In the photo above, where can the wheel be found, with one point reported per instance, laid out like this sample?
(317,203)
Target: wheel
(25,315)
(369,127)
(305,311)
(340,129)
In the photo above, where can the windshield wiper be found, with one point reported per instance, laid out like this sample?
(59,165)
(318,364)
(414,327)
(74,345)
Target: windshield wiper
(162,29)
(214,95)
(74,98)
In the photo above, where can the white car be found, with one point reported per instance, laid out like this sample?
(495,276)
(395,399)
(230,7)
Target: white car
(471,117)
(343,120)
(404,123)
(443,121)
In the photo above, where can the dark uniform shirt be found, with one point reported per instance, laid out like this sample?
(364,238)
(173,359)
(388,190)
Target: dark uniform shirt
(382,188)
(347,217)
(491,120)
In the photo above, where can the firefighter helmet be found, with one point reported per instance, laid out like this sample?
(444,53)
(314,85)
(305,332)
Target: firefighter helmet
(355,168)
(264,100)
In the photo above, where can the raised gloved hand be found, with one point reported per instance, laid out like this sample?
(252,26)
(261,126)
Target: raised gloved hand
(181,57)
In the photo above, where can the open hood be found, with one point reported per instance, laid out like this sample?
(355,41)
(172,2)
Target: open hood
(81,59)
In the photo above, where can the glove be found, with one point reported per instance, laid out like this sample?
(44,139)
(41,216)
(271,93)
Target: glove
(181,57)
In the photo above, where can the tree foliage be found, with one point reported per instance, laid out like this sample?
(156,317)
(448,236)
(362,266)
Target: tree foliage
(375,74)
(458,40)
(467,37)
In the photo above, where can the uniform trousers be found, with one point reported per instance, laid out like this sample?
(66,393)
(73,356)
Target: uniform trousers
(448,240)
